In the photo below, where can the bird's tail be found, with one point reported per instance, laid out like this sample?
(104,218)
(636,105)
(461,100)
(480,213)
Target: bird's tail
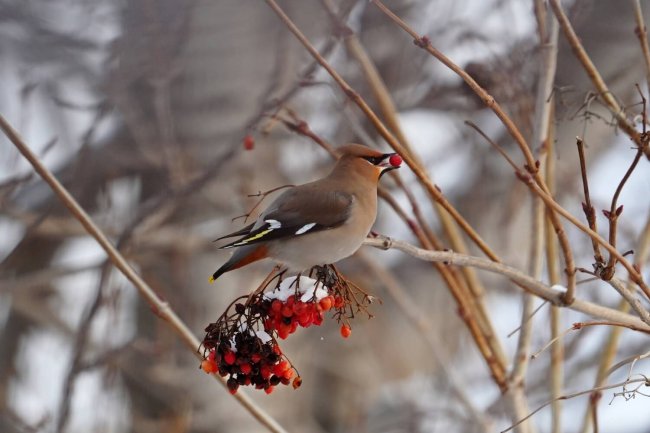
(242,257)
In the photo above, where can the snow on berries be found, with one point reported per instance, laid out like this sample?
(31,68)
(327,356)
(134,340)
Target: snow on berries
(303,305)
(242,345)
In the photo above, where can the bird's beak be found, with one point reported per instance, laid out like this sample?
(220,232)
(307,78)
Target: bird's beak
(390,161)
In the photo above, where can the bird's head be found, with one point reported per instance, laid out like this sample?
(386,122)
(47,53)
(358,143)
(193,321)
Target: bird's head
(369,161)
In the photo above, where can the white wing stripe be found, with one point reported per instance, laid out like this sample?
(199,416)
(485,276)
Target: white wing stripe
(273,224)
(305,228)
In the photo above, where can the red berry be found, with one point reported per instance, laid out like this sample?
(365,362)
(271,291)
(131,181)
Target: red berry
(249,142)
(229,358)
(304,319)
(212,355)
(299,307)
(280,368)
(245,368)
(232,385)
(255,358)
(276,305)
(297,382)
(288,374)
(209,366)
(284,332)
(277,350)
(345,331)
(395,160)
(326,303)
(338,302)
(287,311)
(269,390)
(265,372)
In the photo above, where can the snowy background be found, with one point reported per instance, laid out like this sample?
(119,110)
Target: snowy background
(140,109)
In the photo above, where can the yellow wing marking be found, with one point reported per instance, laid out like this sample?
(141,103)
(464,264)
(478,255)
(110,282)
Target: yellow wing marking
(252,238)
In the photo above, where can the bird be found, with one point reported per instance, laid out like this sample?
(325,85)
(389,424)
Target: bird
(317,223)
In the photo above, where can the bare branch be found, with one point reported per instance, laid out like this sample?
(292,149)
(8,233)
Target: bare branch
(163,309)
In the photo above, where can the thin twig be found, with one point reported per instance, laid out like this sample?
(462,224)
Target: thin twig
(422,323)
(596,79)
(433,191)
(469,299)
(578,326)
(577,394)
(587,207)
(642,33)
(635,275)
(531,166)
(389,112)
(161,308)
(556,382)
(631,299)
(615,210)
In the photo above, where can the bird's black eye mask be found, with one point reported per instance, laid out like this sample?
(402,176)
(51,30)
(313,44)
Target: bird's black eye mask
(377,160)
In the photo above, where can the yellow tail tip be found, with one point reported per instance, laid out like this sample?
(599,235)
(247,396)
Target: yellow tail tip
(211,280)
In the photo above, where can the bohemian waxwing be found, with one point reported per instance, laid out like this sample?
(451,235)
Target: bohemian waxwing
(320,222)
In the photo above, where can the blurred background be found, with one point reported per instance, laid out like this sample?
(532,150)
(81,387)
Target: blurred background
(141,109)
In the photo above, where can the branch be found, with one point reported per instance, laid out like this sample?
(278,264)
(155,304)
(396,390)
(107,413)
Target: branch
(531,165)
(642,33)
(433,191)
(596,78)
(161,308)
(537,288)
(578,394)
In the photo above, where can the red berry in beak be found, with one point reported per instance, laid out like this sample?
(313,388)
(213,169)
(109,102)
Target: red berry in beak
(395,160)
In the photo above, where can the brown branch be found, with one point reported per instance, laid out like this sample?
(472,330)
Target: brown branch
(262,196)
(577,394)
(556,379)
(587,207)
(615,211)
(433,191)
(596,79)
(531,166)
(635,275)
(523,280)
(161,308)
(641,32)
(389,112)
(474,311)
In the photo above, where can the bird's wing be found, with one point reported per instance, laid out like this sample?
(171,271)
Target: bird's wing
(239,232)
(299,211)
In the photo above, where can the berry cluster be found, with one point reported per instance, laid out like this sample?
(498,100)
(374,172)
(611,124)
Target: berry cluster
(284,317)
(250,360)
(242,343)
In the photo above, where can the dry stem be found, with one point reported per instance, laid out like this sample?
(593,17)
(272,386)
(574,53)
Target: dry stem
(419,171)
(530,284)
(161,308)
(642,33)
(531,166)
(596,78)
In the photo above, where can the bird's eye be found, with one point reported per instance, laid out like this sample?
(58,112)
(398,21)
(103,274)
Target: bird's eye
(374,160)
